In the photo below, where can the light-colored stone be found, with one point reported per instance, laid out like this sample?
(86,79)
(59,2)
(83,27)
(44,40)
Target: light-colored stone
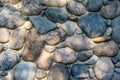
(40,74)
(28,25)
(12,1)
(49,48)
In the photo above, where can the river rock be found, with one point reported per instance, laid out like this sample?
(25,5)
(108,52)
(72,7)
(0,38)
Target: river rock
(56,14)
(45,60)
(65,55)
(54,3)
(28,25)
(42,24)
(111,11)
(117,65)
(104,69)
(108,49)
(70,27)
(116,30)
(24,71)
(76,8)
(4,35)
(33,46)
(94,5)
(17,38)
(13,2)
(79,71)
(8,59)
(81,42)
(49,48)
(84,55)
(3,78)
(58,72)
(40,74)
(54,37)
(116,76)
(87,25)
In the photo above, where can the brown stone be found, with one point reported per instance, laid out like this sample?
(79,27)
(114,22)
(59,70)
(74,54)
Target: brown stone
(17,38)
(4,35)
(33,46)
(65,55)
(12,1)
(28,25)
(108,49)
(45,60)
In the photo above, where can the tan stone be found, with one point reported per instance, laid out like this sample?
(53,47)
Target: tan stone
(12,1)
(28,25)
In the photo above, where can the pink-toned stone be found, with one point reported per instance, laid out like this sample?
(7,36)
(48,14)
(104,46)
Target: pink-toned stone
(4,35)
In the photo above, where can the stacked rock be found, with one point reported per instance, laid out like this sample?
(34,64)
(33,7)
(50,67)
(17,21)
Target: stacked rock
(59,40)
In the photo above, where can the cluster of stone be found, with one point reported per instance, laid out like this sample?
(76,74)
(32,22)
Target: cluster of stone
(59,40)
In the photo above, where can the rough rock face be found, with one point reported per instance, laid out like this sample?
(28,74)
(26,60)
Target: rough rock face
(54,3)
(59,72)
(33,46)
(108,49)
(104,69)
(87,25)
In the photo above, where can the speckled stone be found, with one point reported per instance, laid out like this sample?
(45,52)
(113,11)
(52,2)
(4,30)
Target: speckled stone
(40,74)
(49,48)
(65,55)
(58,72)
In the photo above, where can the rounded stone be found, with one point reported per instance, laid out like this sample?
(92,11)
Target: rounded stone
(49,48)
(94,5)
(54,3)
(13,2)
(2,78)
(79,71)
(86,23)
(28,25)
(108,49)
(104,69)
(111,11)
(81,42)
(65,55)
(56,14)
(24,71)
(58,72)
(40,74)
(84,55)
(76,8)
(4,35)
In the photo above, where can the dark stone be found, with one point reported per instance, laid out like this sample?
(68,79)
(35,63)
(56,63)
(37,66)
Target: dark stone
(76,8)
(84,55)
(94,5)
(116,76)
(24,71)
(79,71)
(116,30)
(111,11)
(92,25)
(56,14)
(81,42)
(8,59)
(42,24)
(58,72)
(33,46)
(108,49)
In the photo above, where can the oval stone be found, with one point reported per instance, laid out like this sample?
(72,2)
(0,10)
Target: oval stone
(13,2)
(92,25)
(58,72)
(76,8)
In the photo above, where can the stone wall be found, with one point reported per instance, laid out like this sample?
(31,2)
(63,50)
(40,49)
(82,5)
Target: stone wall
(59,40)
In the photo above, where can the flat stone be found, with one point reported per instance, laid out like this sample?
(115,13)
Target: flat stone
(81,42)
(70,27)
(58,72)
(65,55)
(94,5)
(56,14)
(76,8)
(17,38)
(45,60)
(4,35)
(54,3)
(111,11)
(33,46)
(108,49)
(116,30)
(54,37)
(104,69)
(49,48)
(30,7)
(116,76)
(79,71)
(40,74)
(42,24)
(84,55)
(86,23)
(24,71)
(8,59)
(13,2)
